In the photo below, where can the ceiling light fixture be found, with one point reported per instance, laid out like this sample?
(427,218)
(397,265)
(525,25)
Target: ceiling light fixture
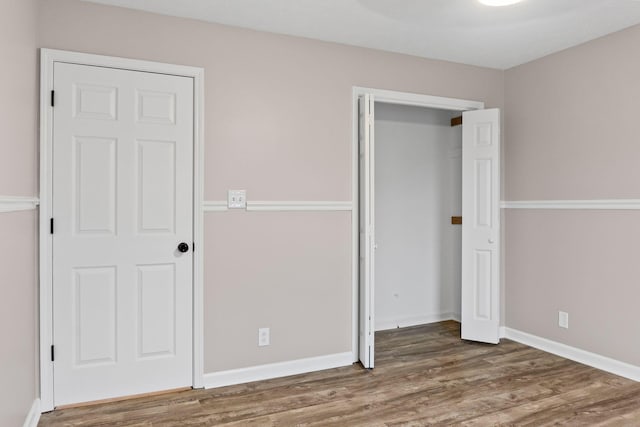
(499,2)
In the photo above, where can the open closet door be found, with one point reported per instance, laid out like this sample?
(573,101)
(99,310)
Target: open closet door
(481,225)
(366,245)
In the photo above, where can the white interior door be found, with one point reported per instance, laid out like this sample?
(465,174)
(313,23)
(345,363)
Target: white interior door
(367,230)
(122,203)
(481,225)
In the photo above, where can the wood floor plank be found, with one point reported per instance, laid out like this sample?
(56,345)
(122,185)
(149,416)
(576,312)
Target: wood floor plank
(424,375)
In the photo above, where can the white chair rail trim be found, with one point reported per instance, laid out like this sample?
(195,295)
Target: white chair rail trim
(282,206)
(299,206)
(598,204)
(15,203)
(214,206)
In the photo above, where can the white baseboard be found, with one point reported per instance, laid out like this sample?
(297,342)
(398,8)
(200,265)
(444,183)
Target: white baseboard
(502,331)
(33,417)
(594,360)
(277,370)
(406,321)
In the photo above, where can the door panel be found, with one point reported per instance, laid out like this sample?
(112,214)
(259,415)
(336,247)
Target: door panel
(481,225)
(367,229)
(94,185)
(122,201)
(96,309)
(156,310)
(156,170)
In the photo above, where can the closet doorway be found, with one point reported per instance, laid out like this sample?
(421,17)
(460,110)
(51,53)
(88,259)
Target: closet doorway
(419,171)
(418,190)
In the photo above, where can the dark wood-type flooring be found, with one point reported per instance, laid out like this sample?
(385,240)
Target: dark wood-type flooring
(424,375)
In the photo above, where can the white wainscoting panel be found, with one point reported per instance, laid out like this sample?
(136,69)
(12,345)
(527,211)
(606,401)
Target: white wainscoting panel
(602,204)
(13,203)
(582,356)
(277,370)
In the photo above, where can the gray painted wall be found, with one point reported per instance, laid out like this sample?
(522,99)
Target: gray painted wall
(572,133)
(278,124)
(18,177)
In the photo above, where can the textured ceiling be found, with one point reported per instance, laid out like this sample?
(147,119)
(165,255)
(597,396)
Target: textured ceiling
(455,30)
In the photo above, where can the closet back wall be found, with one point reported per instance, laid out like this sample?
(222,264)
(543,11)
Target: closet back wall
(418,188)
(278,124)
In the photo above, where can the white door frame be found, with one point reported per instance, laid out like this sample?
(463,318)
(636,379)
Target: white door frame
(387,97)
(47,59)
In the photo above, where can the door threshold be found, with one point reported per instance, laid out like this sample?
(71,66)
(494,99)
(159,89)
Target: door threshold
(121,398)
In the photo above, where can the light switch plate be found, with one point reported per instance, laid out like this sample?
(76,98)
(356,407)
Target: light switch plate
(237,199)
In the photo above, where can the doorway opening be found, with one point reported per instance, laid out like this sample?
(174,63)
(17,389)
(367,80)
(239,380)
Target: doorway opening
(419,178)
(418,196)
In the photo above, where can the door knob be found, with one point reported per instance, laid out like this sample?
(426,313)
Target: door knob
(491,241)
(183,247)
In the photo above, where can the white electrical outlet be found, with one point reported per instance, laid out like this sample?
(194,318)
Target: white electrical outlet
(237,199)
(563,319)
(263,337)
